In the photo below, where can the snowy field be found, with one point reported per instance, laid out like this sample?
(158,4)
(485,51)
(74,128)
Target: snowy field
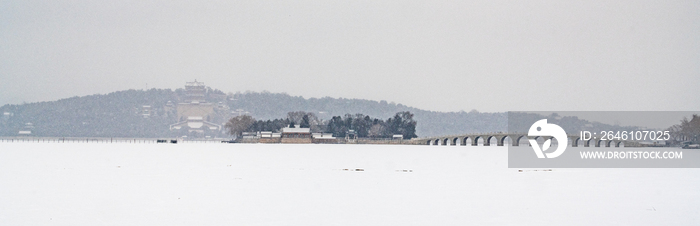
(276,184)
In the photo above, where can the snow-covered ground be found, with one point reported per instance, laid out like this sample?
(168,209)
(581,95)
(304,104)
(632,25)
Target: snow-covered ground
(276,184)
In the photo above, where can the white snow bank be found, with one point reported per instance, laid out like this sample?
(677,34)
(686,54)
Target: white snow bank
(277,184)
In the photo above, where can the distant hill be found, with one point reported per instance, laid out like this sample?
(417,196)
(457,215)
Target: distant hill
(116,114)
(119,114)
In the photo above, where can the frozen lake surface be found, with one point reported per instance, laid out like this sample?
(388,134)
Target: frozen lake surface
(276,184)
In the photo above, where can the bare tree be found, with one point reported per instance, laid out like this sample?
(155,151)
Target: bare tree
(239,124)
(306,119)
(376,130)
(687,130)
(296,116)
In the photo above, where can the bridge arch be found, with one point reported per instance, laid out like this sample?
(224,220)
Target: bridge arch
(610,143)
(467,141)
(518,140)
(588,143)
(575,142)
(503,139)
(445,141)
(541,139)
(537,139)
(487,141)
(475,142)
(455,141)
(599,143)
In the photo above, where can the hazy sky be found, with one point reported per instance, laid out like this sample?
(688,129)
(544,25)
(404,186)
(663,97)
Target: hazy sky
(444,56)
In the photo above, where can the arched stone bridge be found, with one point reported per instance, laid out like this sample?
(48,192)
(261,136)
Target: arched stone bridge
(515,139)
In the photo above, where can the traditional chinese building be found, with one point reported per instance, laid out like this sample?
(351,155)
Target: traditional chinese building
(296,135)
(195,113)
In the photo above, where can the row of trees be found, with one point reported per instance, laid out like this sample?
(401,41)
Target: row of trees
(364,126)
(245,123)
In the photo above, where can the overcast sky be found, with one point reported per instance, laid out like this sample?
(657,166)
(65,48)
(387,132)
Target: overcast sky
(443,56)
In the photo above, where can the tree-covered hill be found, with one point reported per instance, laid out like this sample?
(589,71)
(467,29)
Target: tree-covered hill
(116,114)
(119,114)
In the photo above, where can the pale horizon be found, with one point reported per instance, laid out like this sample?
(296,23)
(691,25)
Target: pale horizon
(438,56)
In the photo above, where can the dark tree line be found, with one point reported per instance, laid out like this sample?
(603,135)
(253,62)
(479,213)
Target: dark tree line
(239,124)
(364,126)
